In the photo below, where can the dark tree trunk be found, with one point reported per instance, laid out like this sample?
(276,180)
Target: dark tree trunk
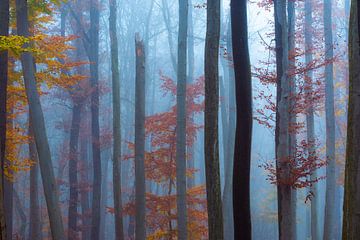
(73,170)
(84,196)
(4,31)
(37,118)
(242,154)
(119,232)
(181,122)
(140,229)
(95,126)
(351,220)
(213,188)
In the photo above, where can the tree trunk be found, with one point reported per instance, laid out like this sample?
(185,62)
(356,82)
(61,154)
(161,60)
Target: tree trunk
(181,122)
(37,118)
(351,220)
(242,154)
(35,224)
(4,31)
(119,232)
(73,170)
(282,123)
(330,211)
(310,129)
(140,228)
(292,113)
(95,126)
(213,188)
(84,198)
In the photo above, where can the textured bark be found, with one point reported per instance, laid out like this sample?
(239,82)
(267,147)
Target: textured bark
(119,232)
(213,188)
(181,122)
(330,210)
(37,118)
(34,221)
(4,31)
(310,129)
(242,154)
(351,219)
(282,122)
(73,171)
(140,229)
(95,126)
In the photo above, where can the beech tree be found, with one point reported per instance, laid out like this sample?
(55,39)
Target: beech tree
(37,118)
(181,121)
(211,148)
(242,153)
(140,228)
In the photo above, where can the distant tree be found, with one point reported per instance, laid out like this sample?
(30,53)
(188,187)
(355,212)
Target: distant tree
(37,118)
(93,53)
(242,154)
(351,221)
(310,129)
(330,207)
(119,232)
(213,188)
(140,227)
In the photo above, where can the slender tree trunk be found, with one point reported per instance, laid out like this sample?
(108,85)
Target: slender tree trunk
(181,122)
(37,118)
(351,219)
(84,196)
(73,170)
(242,155)
(292,113)
(282,123)
(140,228)
(4,31)
(191,70)
(213,188)
(35,224)
(310,129)
(330,211)
(95,126)
(119,232)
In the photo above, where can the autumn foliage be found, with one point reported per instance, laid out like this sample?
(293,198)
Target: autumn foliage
(160,167)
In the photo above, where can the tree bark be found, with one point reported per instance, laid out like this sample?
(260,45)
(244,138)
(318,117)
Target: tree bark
(213,188)
(242,154)
(4,31)
(37,118)
(282,123)
(181,122)
(119,232)
(330,211)
(351,219)
(140,228)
